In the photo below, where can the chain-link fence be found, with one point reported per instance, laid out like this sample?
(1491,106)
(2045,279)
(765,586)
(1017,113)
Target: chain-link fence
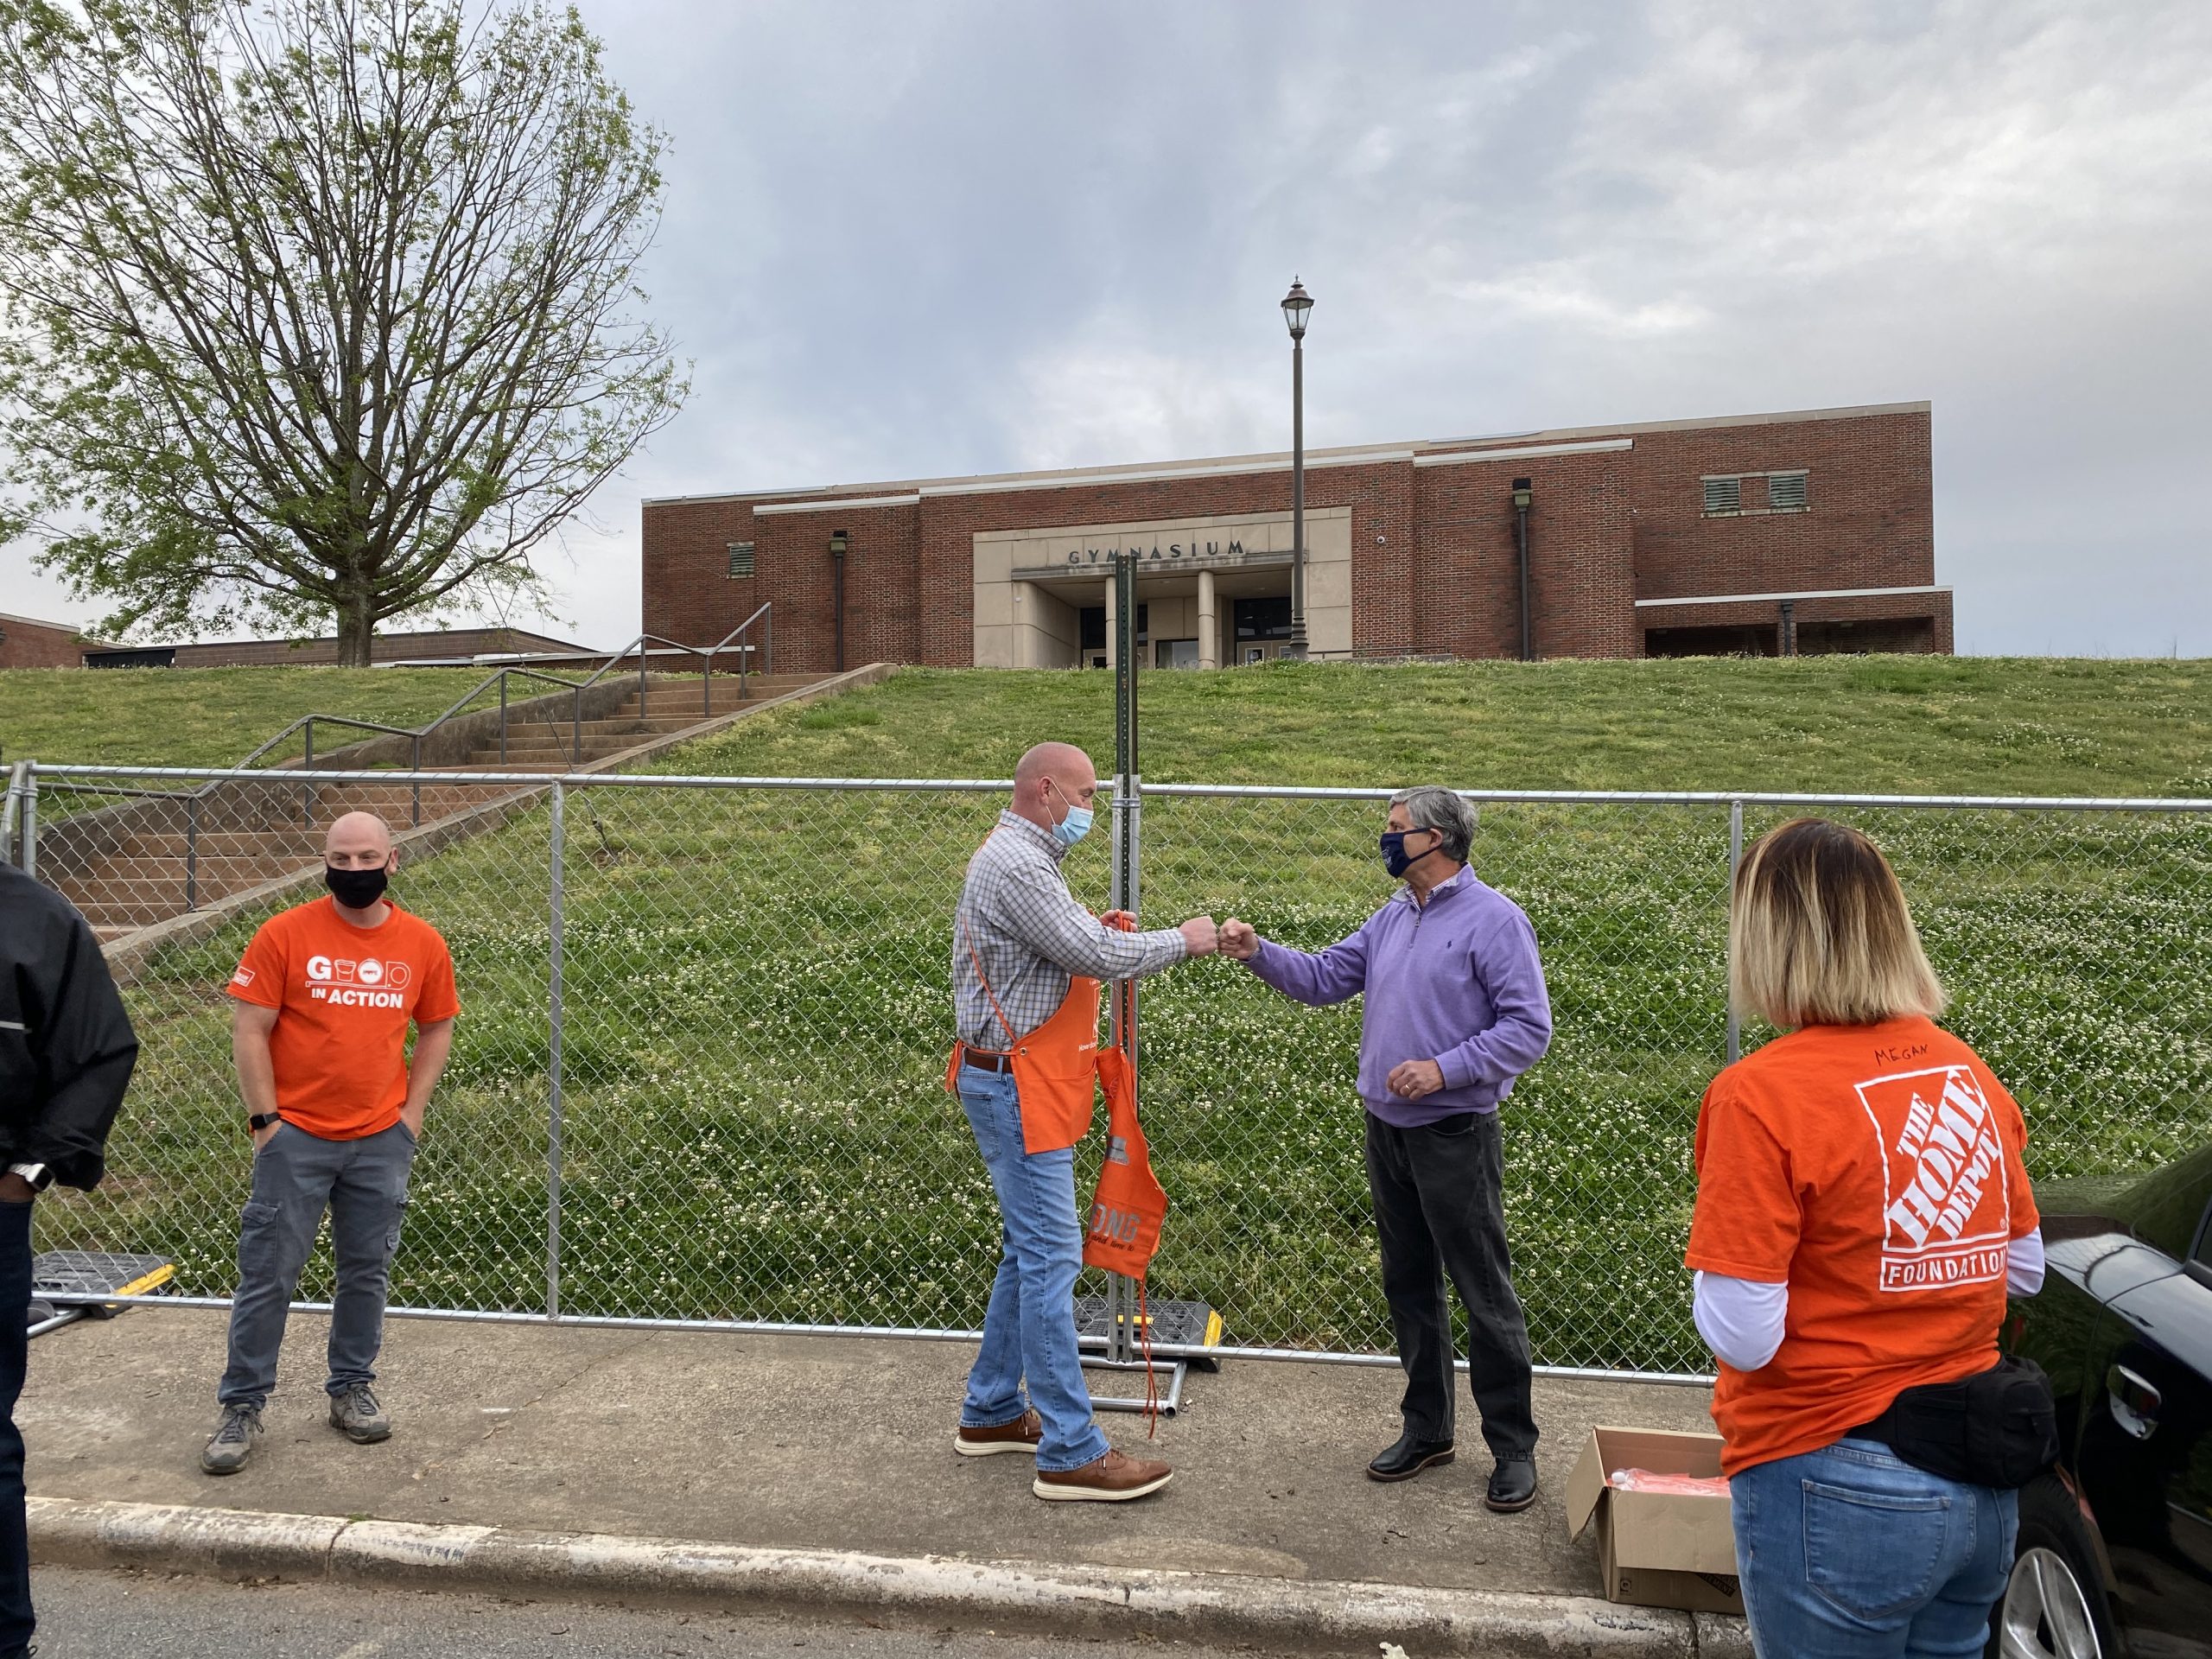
(698,1074)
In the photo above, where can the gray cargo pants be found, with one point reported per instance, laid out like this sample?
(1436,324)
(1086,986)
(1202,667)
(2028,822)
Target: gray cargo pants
(295,1177)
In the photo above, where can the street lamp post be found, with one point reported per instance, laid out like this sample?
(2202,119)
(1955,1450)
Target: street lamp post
(1296,305)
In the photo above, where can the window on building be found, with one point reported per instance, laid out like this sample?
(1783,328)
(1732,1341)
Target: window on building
(1092,620)
(1262,618)
(740,558)
(1786,493)
(1724,495)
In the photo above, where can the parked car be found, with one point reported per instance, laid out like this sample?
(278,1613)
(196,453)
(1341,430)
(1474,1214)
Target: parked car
(2115,1550)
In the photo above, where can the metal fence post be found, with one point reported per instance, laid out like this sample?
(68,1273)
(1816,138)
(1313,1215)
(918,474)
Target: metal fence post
(192,851)
(1735,861)
(15,777)
(30,821)
(415,796)
(503,717)
(1122,1334)
(553,1057)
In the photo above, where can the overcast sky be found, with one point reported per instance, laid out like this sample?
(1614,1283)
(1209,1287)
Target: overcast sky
(916,239)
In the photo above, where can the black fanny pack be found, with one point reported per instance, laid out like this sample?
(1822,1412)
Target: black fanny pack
(1999,1428)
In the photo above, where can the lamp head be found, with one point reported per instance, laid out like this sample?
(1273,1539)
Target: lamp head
(1296,305)
(1522,495)
(837,540)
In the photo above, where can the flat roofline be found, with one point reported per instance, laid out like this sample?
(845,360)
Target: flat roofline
(70,628)
(1350,454)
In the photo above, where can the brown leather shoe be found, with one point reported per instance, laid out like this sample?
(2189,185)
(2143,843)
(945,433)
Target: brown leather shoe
(1110,1480)
(1020,1435)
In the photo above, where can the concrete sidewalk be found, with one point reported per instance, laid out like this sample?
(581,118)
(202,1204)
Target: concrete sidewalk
(818,1445)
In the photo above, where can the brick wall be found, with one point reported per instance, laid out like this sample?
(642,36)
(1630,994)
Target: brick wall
(1580,586)
(1434,565)
(385,648)
(26,642)
(1870,521)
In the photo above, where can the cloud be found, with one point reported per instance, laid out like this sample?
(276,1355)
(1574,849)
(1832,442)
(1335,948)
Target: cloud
(973,237)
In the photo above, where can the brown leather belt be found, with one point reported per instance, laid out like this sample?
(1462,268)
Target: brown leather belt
(984,1060)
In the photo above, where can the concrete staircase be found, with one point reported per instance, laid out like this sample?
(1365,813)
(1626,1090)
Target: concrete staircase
(184,852)
(670,708)
(153,858)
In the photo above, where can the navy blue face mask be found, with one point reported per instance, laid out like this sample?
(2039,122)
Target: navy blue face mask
(1395,859)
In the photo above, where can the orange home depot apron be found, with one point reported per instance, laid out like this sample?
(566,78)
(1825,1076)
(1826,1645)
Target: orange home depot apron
(1129,1206)
(1055,1066)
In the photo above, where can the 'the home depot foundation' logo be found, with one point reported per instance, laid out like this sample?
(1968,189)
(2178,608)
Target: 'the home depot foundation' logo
(1947,1216)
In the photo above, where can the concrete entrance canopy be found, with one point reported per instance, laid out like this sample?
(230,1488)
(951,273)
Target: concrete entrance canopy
(1032,585)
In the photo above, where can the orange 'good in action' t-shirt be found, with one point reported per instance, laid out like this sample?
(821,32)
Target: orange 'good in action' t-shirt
(344,996)
(1876,1170)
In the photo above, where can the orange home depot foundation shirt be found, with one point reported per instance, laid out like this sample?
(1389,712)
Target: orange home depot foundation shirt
(344,996)
(1876,1170)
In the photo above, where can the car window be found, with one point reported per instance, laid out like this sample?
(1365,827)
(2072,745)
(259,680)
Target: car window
(2200,1253)
(2165,1208)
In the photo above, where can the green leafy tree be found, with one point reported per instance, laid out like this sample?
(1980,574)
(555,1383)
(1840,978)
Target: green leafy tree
(315,309)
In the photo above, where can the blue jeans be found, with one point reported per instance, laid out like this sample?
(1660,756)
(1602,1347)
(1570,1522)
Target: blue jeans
(1851,1553)
(1030,1329)
(297,1176)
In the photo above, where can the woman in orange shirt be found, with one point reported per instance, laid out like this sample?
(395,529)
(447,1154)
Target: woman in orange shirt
(1861,1212)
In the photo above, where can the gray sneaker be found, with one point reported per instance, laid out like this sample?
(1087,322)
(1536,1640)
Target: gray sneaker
(233,1441)
(356,1415)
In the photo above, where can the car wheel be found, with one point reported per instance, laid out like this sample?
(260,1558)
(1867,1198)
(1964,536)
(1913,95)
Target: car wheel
(2054,1604)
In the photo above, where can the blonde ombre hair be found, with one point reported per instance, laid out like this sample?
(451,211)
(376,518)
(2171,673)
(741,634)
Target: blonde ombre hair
(1820,933)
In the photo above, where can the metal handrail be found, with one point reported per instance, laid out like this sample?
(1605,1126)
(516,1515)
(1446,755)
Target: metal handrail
(415,734)
(706,654)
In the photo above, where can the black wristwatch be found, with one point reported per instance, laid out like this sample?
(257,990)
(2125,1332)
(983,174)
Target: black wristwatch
(261,1120)
(41,1175)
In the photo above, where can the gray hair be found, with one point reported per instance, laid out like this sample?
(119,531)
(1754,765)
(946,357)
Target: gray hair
(1431,807)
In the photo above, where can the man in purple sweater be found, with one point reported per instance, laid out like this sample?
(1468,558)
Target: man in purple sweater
(1456,1009)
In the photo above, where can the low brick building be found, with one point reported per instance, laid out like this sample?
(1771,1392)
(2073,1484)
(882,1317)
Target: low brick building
(27,642)
(453,645)
(1808,532)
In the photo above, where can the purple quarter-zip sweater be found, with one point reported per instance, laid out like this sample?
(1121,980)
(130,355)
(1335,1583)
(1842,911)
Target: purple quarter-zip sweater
(1456,981)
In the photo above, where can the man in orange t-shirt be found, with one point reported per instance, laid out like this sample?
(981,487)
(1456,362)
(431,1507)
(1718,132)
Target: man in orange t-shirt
(324,996)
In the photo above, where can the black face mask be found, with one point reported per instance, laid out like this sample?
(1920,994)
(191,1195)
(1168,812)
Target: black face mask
(355,889)
(1395,859)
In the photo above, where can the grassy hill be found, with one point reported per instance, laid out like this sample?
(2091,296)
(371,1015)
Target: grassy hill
(1879,724)
(200,716)
(1876,724)
(756,986)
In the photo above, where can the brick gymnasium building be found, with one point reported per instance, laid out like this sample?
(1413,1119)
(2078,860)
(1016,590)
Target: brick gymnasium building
(1767,534)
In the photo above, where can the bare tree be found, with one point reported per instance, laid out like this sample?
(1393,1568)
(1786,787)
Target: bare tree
(315,309)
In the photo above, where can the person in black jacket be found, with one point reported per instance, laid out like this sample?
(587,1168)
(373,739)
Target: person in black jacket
(65,1052)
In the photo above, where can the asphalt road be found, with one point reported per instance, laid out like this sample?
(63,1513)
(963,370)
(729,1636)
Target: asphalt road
(147,1616)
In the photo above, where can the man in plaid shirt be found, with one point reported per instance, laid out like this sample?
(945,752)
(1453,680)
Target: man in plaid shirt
(1022,952)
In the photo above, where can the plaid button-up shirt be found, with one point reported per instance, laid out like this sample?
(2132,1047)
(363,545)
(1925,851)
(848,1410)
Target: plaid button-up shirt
(1017,913)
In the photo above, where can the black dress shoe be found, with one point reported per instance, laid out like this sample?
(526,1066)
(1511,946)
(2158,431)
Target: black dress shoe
(1512,1485)
(1407,1457)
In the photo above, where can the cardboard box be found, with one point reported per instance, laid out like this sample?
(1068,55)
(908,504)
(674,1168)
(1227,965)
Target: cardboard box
(1656,1549)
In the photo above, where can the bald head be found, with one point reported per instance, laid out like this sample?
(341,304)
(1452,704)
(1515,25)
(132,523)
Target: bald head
(358,840)
(1051,779)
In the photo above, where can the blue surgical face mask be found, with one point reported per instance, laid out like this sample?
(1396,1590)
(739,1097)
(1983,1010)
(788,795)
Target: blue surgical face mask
(1074,827)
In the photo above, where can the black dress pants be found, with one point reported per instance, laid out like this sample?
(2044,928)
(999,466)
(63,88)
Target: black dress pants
(1439,1210)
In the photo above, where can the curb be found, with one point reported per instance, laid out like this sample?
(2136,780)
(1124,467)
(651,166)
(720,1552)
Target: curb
(1297,1615)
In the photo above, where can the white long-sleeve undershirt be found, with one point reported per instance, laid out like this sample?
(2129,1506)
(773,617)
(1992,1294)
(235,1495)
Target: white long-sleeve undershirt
(1743,1320)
